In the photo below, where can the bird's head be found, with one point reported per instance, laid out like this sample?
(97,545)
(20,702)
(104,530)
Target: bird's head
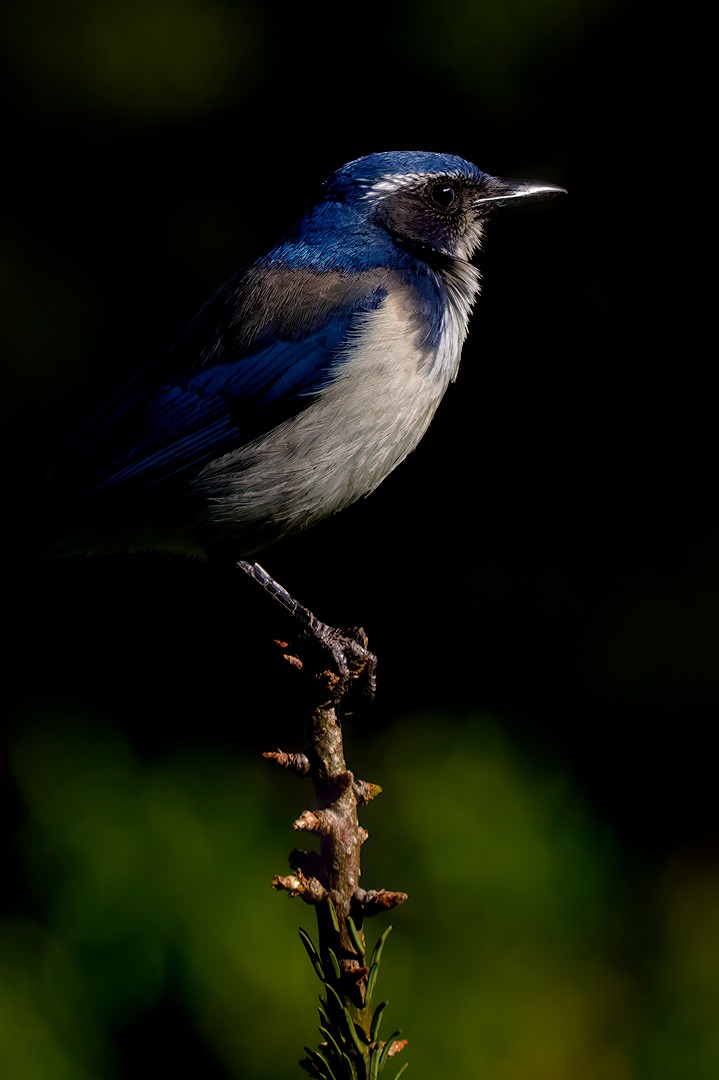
(427,201)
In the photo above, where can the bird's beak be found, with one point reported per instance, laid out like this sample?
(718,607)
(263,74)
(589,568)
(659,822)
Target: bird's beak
(500,191)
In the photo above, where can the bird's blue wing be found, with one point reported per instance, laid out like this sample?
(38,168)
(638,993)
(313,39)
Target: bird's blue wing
(256,355)
(189,422)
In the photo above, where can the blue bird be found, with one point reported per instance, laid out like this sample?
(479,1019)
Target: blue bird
(304,381)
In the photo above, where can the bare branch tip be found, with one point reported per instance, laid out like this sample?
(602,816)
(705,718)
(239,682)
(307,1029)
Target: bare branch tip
(314,821)
(311,890)
(365,792)
(297,763)
(374,901)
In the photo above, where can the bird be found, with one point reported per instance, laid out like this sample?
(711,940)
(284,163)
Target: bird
(304,380)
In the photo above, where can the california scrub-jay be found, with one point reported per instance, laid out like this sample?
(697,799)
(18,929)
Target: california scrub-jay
(304,381)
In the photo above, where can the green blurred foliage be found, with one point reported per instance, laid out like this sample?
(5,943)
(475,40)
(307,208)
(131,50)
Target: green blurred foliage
(141,59)
(509,960)
(140,869)
(497,50)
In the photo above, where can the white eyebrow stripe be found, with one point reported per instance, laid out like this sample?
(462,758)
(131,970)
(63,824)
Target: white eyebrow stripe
(393,182)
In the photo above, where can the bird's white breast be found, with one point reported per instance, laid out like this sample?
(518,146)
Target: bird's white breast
(362,424)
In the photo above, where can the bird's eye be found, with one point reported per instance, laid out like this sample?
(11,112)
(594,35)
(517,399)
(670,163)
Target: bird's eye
(443,195)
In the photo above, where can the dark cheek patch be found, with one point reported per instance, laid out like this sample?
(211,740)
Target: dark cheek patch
(412,220)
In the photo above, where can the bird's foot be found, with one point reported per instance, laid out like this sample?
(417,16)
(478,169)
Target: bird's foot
(352,658)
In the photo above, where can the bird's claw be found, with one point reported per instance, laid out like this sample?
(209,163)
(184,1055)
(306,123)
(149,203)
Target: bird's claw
(350,655)
(352,659)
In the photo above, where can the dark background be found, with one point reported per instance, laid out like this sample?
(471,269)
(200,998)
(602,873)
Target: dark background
(547,557)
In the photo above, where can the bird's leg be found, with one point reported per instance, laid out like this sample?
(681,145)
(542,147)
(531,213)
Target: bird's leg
(348,648)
